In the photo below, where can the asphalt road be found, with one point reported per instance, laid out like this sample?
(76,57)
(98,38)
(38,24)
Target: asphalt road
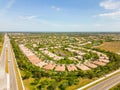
(3,75)
(13,80)
(107,84)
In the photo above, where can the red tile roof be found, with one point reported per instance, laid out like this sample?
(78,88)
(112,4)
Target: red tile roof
(91,65)
(49,66)
(82,67)
(60,68)
(71,67)
(99,63)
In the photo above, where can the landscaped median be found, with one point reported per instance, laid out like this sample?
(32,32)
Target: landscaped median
(1,43)
(7,70)
(6,63)
(18,76)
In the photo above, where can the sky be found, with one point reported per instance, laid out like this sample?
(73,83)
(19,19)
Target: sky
(60,15)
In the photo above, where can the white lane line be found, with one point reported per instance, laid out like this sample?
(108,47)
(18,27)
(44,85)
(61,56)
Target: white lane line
(8,82)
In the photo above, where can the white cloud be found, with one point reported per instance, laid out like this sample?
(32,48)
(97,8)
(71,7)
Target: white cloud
(115,14)
(27,17)
(110,4)
(56,8)
(7,7)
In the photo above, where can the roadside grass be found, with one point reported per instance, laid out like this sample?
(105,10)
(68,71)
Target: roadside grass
(17,73)
(82,82)
(6,62)
(110,46)
(27,83)
(117,87)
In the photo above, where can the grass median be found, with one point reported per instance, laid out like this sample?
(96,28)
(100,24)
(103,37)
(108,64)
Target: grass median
(6,63)
(1,45)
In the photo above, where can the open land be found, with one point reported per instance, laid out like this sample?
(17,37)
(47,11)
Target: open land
(59,61)
(111,46)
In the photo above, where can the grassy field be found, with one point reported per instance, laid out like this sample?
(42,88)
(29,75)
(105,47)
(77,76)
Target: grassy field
(111,46)
(81,83)
(27,83)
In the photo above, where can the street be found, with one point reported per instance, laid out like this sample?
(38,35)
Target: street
(11,71)
(107,84)
(3,75)
(13,80)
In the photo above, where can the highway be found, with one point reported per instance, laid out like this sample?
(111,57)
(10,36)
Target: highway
(3,75)
(107,84)
(11,72)
(13,80)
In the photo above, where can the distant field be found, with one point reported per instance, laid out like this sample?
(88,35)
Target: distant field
(111,46)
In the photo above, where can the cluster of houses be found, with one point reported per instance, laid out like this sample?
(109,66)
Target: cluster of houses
(52,55)
(103,60)
(76,51)
(81,44)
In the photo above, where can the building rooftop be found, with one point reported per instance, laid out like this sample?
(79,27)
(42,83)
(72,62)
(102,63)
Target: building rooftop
(82,67)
